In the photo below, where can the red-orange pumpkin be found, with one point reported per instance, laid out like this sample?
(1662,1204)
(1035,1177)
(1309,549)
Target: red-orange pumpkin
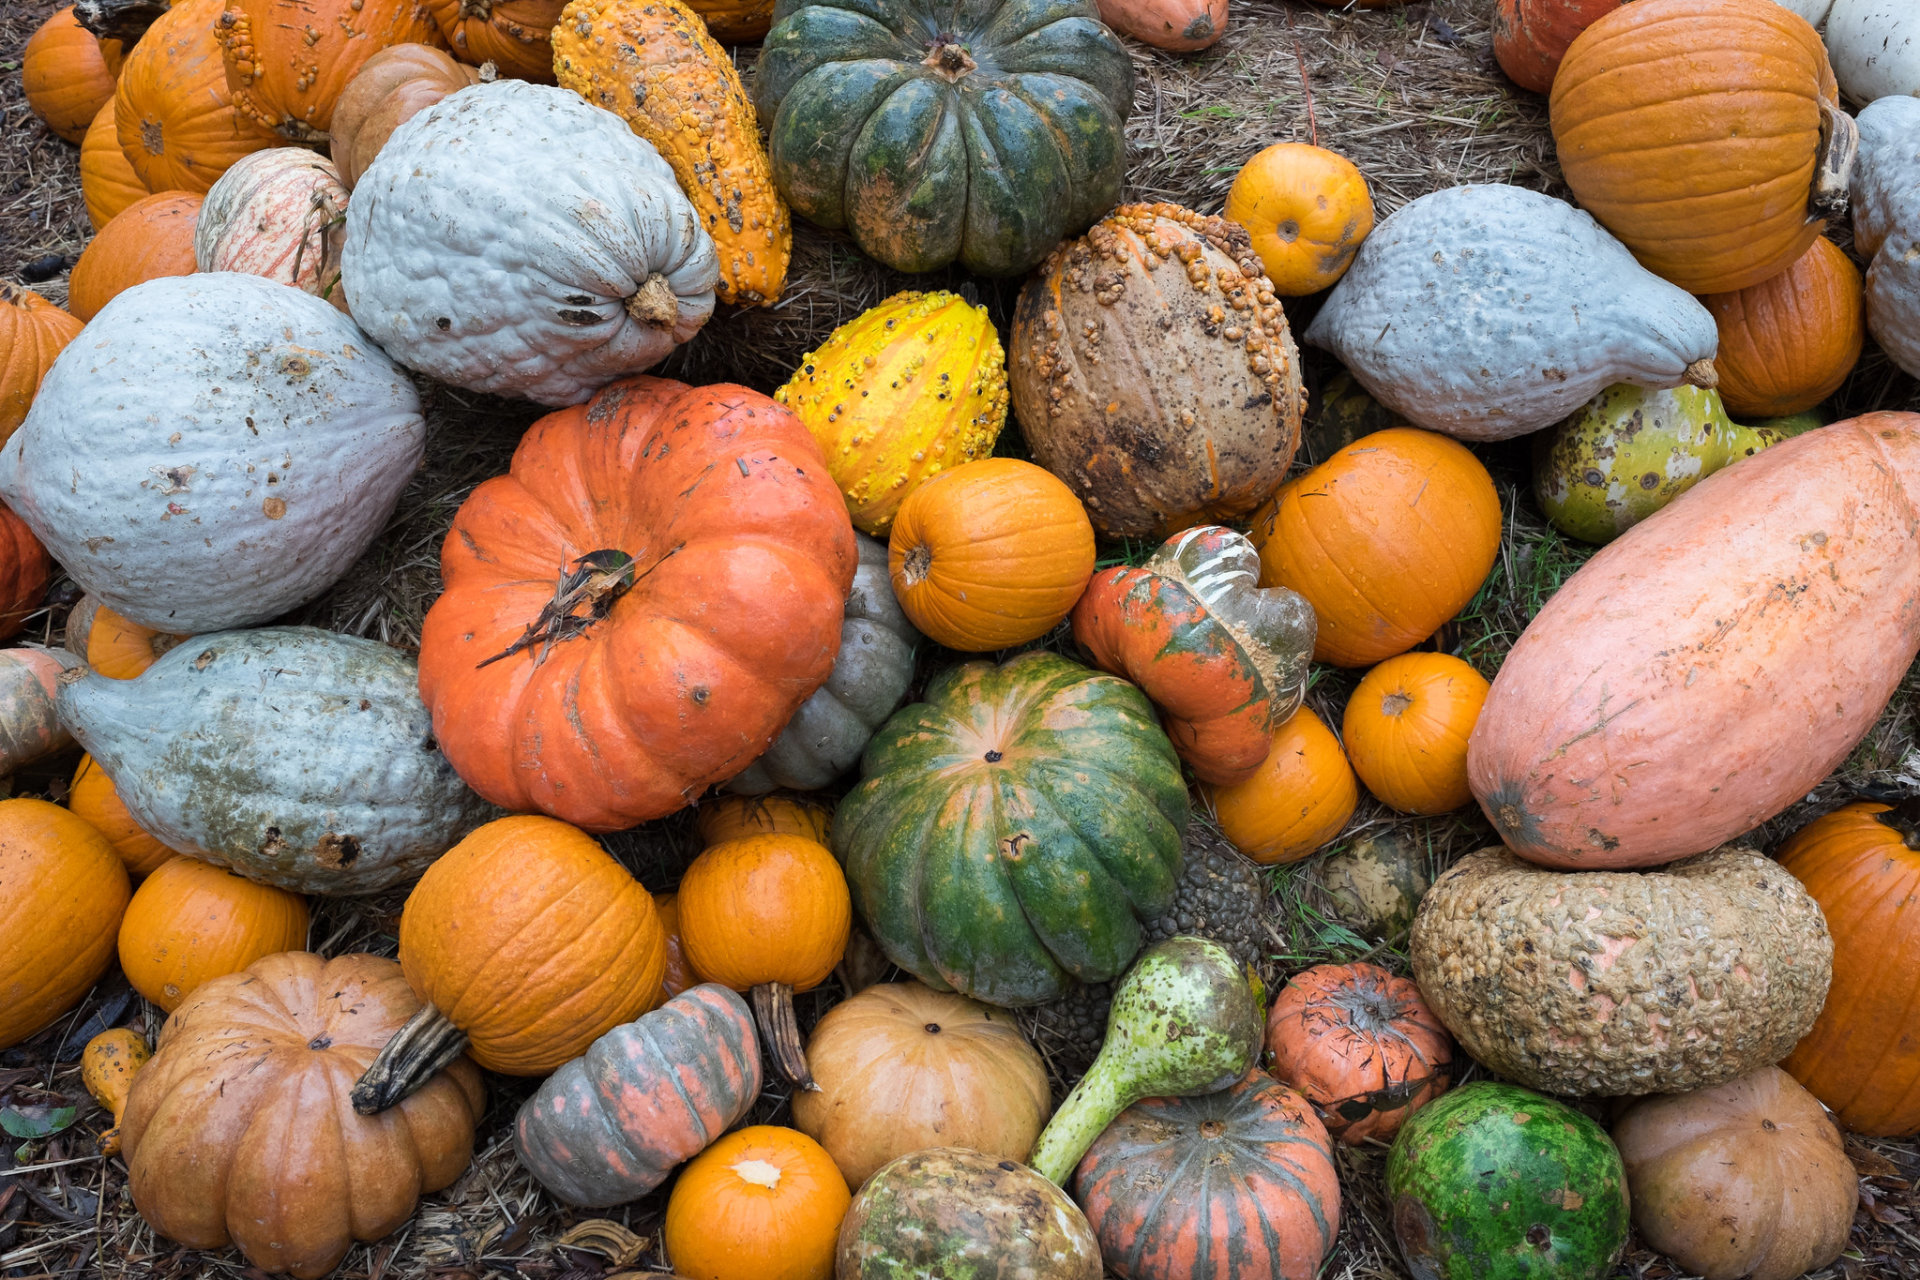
(1180,25)
(393,86)
(67,74)
(24,570)
(32,332)
(678,975)
(149,239)
(1298,799)
(1406,730)
(1531,36)
(1788,342)
(511,34)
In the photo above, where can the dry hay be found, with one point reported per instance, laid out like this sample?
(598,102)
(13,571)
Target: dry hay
(1413,97)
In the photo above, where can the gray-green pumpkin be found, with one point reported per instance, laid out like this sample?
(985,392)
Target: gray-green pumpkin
(1375,884)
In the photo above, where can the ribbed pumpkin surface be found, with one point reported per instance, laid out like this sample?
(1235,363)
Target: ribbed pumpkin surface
(192,921)
(1788,342)
(92,796)
(287,72)
(32,333)
(62,893)
(150,238)
(172,110)
(108,183)
(511,34)
(67,74)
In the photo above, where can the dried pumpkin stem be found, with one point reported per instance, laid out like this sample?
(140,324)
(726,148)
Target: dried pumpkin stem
(122,20)
(654,303)
(1904,818)
(949,59)
(773,1010)
(427,1043)
(1701,373)
(1839,145)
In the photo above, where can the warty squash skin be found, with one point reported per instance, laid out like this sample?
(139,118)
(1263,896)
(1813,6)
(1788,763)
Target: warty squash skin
(152,237)
(652,63)
(242,747)
(107,1067)
(32,332)
(1886,224)
(217,508)
(67,74)
(30,727)
(173,112)
(108,183)
(395,85)
(191,921)
(280,214)
(62,893)
(1788,342)
(511,34)
(1180,25)
(285,73)
(1731,650)
(92,796)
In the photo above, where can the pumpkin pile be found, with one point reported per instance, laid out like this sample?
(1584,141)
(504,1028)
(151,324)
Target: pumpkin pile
(1005,659)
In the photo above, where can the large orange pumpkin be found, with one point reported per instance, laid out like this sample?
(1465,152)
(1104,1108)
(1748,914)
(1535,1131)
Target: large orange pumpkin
(1788,342)
(511,34)
(1861,863)
(1703,133)
(285,72)
(1531,36)
(108,183)
(32,333)
(192,921)
(149,239)
(1300,797)
(991,554)
(764,1203)
(62,893)
(703,557)
(66,74)
(1406,730)
(91,795)
(1387,540)
(24,570)
(172,110)
(120,649)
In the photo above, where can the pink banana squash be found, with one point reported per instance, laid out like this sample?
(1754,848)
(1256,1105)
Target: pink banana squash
(1710,665)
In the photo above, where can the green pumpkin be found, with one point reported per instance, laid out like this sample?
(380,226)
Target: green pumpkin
(1014,830)
(981,132)
(1496,1182)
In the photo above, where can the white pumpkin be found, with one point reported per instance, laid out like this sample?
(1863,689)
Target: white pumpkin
(1875,47)
(1886,224)
(516,239)
(219,450)
(281,214)
(1814,11)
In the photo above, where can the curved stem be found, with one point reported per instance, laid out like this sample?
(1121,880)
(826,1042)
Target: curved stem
(1090,1108)
(773,1010)
(1904,818)
(1839,145)
(427,1043)
(122,20)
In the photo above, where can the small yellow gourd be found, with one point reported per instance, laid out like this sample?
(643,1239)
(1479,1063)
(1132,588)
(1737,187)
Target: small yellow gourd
(107,1067)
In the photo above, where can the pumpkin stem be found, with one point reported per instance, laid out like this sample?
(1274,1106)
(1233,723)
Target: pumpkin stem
(481,9)
(654,303)
(1904,818)
(427,1043)
(773,1010)
(122,20)
(1839,144)
(597,580)
(948,59)
(916,565)
(1701,373)
(489,71)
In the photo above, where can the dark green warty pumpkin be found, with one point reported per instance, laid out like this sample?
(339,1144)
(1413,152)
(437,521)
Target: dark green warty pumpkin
(1014,830)
(982,132)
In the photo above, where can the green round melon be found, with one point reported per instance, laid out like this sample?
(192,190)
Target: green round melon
(1496,1182)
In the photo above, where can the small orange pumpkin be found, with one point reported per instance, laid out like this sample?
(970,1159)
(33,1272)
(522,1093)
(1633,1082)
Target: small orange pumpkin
(108,183)
(1788,342)
(91,795)
(67,73)
(192,921)
(62,893)
(121,649)
(724,818)
(172,110)
(764,1203)
(32,332)
(1530,37)
(149,239)
(1406,730)
(1300,798)
(991,554)
(1307,210)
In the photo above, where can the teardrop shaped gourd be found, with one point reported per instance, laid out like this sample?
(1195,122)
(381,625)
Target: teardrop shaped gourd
(1184,1022)
(107,1067)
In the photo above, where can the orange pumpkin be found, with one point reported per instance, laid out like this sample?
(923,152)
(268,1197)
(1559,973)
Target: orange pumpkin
(1180,25)
(1861,863)
(1703,133)
(192,921)
(108,183)
(32,333)
(1307,210)
(66,74)
(764,1203)
(678,976)
(149,239)
(62,893)
(24,570)
(1300,798)
(1788,342)
(91,795)
(1530,37)
(1406,730)
(286,73)
(767,914)
(1387,539)
(172,110)
(991,554)
(724,818)
(121,649)
(393,86)
(511,34)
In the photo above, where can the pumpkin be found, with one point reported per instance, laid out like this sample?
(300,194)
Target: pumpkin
(1387,539)
(298,757)
(901,1068)
(932,394)
(1296,801)
(1374,885)
(864,106)
(652,63)
(91,796)
(24,571)
(107,1067)
(1645,982)
(30,727)
(695,522)
(678,976)
(120,649)
(1530,37)
(525,942)
(1406,728)
(511,34)
(1307,209)
(1012,832)
(108,183)
(1875,47)
(990,554)
(62,893)
(281,214)
(172,110)
(391,88)
(238,1132)
(1763,163)
(610,1126)
(1814,11)
(287,475)
(1788,342)
(952,1214)
(32,332)
(67,74)
(1860,864)
(723,818)
(286,76)
(1886,224)
(190,921)
(1745,1179)
(1361,1045)
(1223,658)
(78,628)
(1489,311)
(1164,398)
(150,238)
(735,21)
(1728,656)
(764,1203)
(626,274)
(1237,1183)
(770,915)
(1180,25)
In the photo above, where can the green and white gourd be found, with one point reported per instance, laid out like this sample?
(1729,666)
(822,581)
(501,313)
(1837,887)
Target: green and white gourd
(1886,224)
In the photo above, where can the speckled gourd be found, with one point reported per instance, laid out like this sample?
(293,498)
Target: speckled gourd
(259,443)
(1617,983)
(1875,48)
(473,258)
(1488,311)
(1886,224)
(295,756)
